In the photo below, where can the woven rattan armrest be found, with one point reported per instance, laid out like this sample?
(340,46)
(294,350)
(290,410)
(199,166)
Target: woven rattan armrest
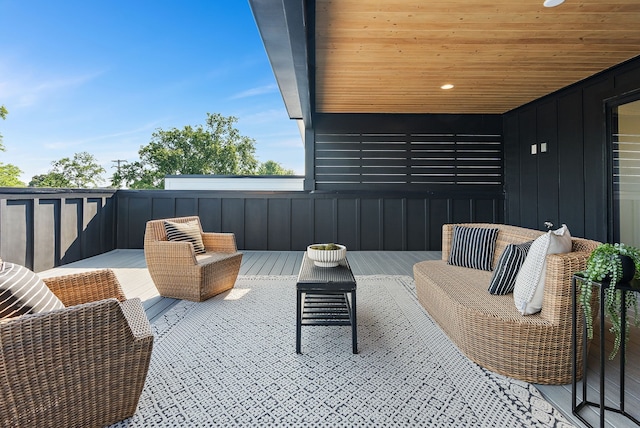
(174,253)
(556,306)
(137,318)
(85,287)
(219,242)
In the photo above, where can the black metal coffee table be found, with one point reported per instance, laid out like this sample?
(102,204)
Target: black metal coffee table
(322,298)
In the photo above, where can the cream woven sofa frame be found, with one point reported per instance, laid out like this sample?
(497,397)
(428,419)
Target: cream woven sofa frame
(179,273)
(81,366)
(487,328)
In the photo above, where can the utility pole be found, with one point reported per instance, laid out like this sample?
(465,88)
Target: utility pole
(119,161)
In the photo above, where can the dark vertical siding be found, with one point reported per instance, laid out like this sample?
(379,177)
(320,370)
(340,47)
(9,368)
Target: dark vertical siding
(528,170)
(292,220)
(547,163)
(44,229)
(570,182)
(571,190)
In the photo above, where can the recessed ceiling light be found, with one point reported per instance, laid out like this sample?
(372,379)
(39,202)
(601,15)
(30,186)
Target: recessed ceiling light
(552,3)
(446,86)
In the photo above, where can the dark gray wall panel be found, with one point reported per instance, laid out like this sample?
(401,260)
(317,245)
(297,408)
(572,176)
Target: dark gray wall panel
(547,163)
(137,215)
(462,211)
(186,206)
(92,220)
(210,213)
(302,220)
(571,163)
(528,170)
(595,158)
(487,210)
(394,221)
(371,224)
(279,224)
(511,168)
(348,214)
(439,214)
(233,213)
(582,154)
(255,225)
(324,226)
(163,208)
(417,224)
(292,220)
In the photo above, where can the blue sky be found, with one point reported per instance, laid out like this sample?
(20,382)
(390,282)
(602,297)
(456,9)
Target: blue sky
(102,76)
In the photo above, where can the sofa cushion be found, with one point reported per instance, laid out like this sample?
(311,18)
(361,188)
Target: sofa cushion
(187,232)
(473,247)
(528,292)
(23,292)
(507,268)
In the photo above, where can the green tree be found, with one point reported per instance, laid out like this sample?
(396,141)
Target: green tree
(83,171)
(274,168)
(9,174)
(215,148)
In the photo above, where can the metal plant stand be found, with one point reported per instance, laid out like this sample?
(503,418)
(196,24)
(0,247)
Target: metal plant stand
(576,406)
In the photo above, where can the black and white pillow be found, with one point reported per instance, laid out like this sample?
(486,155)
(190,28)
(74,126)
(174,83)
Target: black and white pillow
(507,268)
(23,292)
(188,231)
(473,247)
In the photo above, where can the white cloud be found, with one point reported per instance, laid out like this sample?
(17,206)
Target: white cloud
(260,90)
(26,89)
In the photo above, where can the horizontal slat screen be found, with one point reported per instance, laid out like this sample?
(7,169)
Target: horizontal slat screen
(359,161)
(626,163)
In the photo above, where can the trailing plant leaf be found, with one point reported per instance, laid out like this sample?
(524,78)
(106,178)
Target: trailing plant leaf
(605,265)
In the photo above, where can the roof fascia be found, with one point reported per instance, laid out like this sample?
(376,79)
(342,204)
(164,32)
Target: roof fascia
(283,29)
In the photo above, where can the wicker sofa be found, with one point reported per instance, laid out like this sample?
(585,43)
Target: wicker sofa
(489,329)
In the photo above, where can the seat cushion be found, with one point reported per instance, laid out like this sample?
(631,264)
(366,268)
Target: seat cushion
(188,232)
(23,292)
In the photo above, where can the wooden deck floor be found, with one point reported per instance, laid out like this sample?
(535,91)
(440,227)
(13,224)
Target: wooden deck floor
(130,268)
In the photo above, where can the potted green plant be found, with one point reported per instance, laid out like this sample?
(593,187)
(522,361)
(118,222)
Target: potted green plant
(607,264)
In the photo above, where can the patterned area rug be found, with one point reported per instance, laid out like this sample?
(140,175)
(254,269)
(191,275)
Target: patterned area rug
(231,361)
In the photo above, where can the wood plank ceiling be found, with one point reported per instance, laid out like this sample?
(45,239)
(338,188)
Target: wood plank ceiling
(392,56)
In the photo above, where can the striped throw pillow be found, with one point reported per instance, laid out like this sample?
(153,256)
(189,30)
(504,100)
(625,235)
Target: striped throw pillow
(188,231)
(507,268)
(473,247)
(23,292)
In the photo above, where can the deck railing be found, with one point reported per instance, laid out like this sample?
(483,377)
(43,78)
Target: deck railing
(42,229)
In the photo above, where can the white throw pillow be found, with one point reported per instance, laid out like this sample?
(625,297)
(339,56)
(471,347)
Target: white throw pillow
(528,292)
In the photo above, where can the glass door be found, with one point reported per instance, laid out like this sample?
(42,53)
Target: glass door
(625,139)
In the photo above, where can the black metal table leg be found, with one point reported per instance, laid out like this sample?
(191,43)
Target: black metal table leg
(298,320)
(354,322)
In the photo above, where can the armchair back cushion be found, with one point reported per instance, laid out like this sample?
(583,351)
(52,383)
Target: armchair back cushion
(23,292)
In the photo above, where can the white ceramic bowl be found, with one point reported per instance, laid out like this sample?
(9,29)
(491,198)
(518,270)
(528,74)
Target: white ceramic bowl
(327,258)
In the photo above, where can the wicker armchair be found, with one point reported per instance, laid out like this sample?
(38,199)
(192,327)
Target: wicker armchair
(81,366)
(179,272)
